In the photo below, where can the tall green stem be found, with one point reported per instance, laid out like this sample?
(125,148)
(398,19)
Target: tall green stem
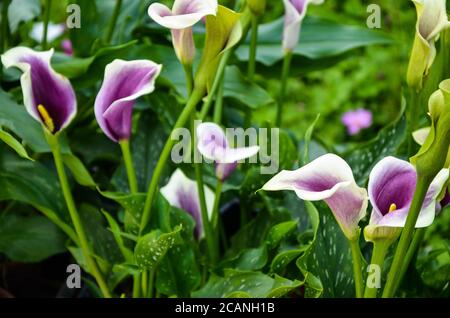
(194,99)
(253,48)
(422,186)
(380,249)
(417,240)
(357,266)
(413,117)
(48,7)
(128,160)
(284,78)
(216,214)
(113,22)
(189,78)
(79,229)
(4,30)
(218,107)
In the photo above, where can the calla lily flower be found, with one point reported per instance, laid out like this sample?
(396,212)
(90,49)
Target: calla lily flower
(184,14)
(295,12)
(327,178)
(124,82)
(182,192)
(431,21)
(421,135)
(213,145)
(392,183)
(48,96)
(54,31)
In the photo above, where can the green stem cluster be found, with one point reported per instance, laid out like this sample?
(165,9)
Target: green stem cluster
(380,249)
(113,22)
(48,7)
(284,79)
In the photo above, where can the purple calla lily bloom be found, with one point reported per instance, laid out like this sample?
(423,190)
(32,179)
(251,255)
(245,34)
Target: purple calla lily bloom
(295,12)
(182,193)
(48,96)
(357,120)
(392,183)
(124,82)
(213,145)
(184,14)
(327,178)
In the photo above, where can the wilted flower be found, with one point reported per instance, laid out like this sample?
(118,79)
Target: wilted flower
(392,184)
(295,12)
(66,46)
(184,14)
(124,82)
(213,145)
(54,31)
(181,192)
(431,21)
(47,95)
(327,178)
(357,120)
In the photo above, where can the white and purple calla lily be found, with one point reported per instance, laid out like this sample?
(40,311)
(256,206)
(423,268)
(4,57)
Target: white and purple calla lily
(295,12)
(213,145)
(48,96)
(392,183)
(327,178)
(180,20)
(124,82)
(182,192)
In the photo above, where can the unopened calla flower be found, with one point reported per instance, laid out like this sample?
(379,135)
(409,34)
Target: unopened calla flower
(48,96)
(182,192)
(431,21)
(357,120)
(295,12)
(392,183)
(327,178)
(66,46)
(124,82)
(223,31)
(434,153)
(421,135)
(184,14)
(213,145)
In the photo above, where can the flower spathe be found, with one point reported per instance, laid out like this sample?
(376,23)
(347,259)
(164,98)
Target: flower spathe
(213,145)
(295,12)
(48,96)
(392,183)
(124,82)
(431,21)
(327,178)
(184,14)
(182,193)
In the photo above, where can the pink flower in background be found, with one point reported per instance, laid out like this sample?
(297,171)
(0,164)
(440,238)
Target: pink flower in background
(356,120)
(66,46)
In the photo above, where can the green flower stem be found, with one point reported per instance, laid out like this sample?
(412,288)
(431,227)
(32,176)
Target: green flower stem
(113,22)
(128,160)
(380,249)
(136,285)
(417,240)
(48,7)
(79,229)
(357,266)
(253,48)
(216,215)
(218,107)
(413,117)
(284,78)
(4,30)
(423,183)
(189,78)
(194,99)
(151,283)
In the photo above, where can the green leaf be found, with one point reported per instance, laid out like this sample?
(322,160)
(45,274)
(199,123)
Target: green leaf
(363,158)
(79,171)
(14,144)
(29,239)
(308,135)
(248,259)
(253,284)
(22,11)
(283,259)
(244,91)
(278,232)
(319,39)
(115,229)
(133,205)
(151,248)
(16,119)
